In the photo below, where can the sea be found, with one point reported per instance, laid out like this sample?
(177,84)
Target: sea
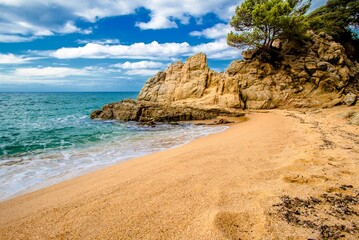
(46,138)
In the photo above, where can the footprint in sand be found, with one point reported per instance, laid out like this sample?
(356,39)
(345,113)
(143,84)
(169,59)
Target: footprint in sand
(238,225)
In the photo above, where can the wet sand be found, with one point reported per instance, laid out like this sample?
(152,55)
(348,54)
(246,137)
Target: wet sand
(239,184)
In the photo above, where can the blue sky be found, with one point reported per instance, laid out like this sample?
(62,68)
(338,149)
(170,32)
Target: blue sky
(107,45)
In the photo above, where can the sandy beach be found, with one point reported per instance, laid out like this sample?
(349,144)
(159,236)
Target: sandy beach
(271,177)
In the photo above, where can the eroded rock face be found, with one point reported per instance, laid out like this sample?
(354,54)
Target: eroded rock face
(315,77)
(317,74)
(180,81)
(192,83)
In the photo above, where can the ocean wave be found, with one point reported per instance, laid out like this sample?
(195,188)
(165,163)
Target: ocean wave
(19,174)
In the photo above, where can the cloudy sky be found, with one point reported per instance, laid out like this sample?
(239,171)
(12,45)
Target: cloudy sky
(107,45)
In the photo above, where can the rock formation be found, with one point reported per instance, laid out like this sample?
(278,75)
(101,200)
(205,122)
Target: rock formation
(142,111)
(317,74)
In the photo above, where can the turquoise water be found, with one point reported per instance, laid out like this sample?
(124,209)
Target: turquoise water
(32,123)
(48,137)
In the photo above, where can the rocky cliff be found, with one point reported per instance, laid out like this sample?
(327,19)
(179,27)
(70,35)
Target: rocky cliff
(314,74)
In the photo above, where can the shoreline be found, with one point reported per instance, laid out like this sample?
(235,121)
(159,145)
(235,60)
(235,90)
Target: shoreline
(66,176)
(220,186)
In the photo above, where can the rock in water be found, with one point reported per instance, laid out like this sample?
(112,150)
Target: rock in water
(147,112)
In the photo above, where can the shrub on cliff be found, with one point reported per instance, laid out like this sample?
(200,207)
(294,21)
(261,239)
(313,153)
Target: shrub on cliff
(258,23)
(338,18)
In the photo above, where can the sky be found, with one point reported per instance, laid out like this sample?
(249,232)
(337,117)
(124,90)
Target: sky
(107,45)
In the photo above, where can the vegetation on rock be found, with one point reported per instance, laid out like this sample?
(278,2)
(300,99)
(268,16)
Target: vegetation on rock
(258,23)
(261,22)
(338,18)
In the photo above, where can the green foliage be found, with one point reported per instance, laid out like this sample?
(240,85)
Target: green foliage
(336,18)
(259,22)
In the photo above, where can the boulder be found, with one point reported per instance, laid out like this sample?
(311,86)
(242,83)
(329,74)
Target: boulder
(223,121)
(354,120)
(248,55)
(311,67)
(235,68)
(322,66)
(350,99)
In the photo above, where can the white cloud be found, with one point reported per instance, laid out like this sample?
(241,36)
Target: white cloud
(15,38)
(70,27)
(28,20)
(23,28)
(22,31)
(142,72)
(97,75)
(47,17)
(43,17)
(56,75)
(157,22)
(56,72)
(217,50)
(13,79)
(11,2)
(218,31)
(92,10)
(140,65)
(154,50)
(101,70)
(98,41)
(165,12)
(13,59)
(142,68)
(27,28)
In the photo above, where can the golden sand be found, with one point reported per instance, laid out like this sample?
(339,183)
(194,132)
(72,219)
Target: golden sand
(222,186)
